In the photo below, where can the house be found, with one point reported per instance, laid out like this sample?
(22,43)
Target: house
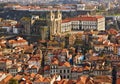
(78,71)
(6,79)
(117,50)
(65,81)
(33,69)
(18,42)
(78,58)
(35,60)
(5,64)
(47,71)
(98,47)
(42,80)
(103,79)
(15,30)
(18,77)
(101,72)
(2,76)
(66,26)
(62,68)
(53,44)
(14,70)
(85,80)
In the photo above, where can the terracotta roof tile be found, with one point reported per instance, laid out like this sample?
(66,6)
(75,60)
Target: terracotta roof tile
(67,64)
(7,78)
(66,20)
(118,81)
(46,68)
(34,67)
(32,75)
(103,79)
(46,79)
(112,31)
(17,77)
(80,69)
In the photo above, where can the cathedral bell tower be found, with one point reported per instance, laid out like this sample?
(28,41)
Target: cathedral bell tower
(54,19)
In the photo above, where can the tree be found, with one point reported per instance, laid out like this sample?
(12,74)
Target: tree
(13,81)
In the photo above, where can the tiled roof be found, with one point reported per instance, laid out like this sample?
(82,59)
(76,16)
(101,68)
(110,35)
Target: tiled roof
(66,20)
(85,80)
(46,68)
(112,31)
(29,82)
(32,75)
(16,41)
(35,67)
(82,18)
(42,79)
(66,64)
(46,79)
(7,78)
(118,81)
(17,77)
(100,79)
(55,61)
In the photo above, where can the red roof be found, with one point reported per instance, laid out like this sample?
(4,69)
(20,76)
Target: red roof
(112,31)
(66,20)
(82,18)
(118,81)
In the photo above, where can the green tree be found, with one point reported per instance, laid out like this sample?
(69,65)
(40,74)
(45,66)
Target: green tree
(13,81)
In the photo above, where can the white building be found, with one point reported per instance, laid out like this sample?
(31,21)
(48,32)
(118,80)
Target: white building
(66,26)
(85,22)
(80,6)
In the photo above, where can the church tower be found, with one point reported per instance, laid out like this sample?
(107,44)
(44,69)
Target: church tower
(58,20)
(54,19)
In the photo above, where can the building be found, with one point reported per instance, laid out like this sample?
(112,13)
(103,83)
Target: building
(26,23)
(85,22)
(64,70)
(48,27)
(14,70)
(18,42)
(54,22)
(5,64)
(80,7)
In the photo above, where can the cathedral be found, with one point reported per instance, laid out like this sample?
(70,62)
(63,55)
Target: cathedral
(48,27)
(54,22)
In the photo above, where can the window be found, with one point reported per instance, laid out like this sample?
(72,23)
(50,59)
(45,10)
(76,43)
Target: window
(64,76)
(64,71)
(51,66)
(68,71)
(60,71)
(68,76)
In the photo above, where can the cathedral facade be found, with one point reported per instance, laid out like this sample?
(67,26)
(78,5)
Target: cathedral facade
(54,19)
(49,26)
